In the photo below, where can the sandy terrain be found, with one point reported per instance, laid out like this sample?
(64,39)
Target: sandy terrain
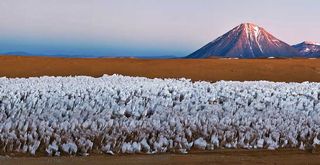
(291,157)
(288,70)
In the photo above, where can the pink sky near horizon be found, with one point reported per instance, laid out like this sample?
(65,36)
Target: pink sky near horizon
(142,27)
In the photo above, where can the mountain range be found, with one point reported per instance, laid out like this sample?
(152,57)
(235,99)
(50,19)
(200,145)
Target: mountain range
(308,49)
(251,41)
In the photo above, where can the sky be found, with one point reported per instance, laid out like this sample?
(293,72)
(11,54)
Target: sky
(145,27)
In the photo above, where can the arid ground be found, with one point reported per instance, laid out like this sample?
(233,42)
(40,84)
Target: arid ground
(287,70)
(290,157)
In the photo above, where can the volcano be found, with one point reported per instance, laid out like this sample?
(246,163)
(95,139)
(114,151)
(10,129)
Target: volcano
(246,41)
(308,49)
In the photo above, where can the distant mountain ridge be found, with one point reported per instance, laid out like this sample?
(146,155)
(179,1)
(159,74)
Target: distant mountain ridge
(21,53)
(308,49)
(18,53)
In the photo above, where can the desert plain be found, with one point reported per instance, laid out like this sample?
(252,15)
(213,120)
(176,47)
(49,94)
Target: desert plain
(279,70)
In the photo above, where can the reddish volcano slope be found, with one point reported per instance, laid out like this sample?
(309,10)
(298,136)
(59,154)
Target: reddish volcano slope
(246,41)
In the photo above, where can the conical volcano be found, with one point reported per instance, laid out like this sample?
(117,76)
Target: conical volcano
(246,41)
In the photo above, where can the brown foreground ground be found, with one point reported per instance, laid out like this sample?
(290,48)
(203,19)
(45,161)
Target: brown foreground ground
(287,70)
(230,157)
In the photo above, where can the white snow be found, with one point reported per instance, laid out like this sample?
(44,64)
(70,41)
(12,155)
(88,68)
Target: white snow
(253,34)
(118,114)
(229,58)
(306,50)
(200,144)
(247,26)
(70,148)
(256,31)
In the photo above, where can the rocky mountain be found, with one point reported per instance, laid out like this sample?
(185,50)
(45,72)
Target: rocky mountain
(308,49)
(246,41)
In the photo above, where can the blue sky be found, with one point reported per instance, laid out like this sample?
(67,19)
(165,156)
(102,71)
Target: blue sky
(145,27)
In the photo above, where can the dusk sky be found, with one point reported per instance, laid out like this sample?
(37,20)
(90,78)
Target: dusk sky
(145,27)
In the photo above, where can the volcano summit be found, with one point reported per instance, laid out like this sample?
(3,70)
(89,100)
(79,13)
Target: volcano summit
(246,41)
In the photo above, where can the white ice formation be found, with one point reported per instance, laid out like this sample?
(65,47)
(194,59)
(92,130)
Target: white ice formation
(118,114)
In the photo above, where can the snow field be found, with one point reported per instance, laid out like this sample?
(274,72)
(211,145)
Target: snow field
(118,114)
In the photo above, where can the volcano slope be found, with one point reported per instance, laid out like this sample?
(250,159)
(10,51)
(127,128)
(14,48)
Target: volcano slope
(246,41)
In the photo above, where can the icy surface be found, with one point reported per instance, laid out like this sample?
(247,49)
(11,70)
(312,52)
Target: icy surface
(117,114)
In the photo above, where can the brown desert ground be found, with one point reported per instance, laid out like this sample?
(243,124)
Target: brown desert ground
(283,70)
(229,157)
